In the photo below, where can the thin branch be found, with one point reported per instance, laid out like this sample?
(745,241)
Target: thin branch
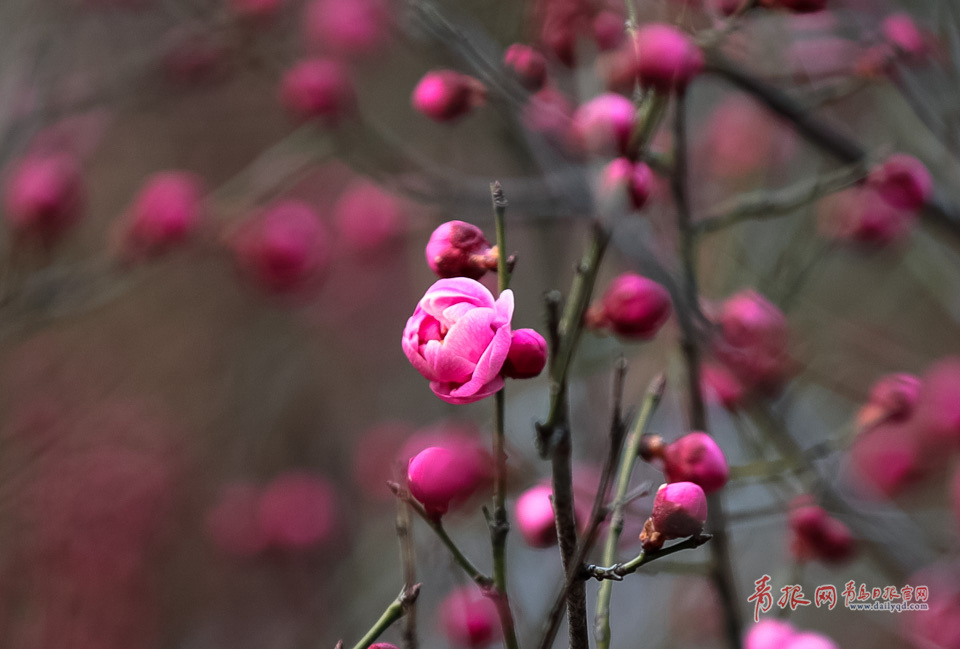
(766,204)
(480,579)
(408,562)
(618,571)
(397,609)
(627,461)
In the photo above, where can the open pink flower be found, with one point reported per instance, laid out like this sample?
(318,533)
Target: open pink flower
(458,338)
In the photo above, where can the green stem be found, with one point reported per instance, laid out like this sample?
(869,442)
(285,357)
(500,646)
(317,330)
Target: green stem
(499,525)
(625,470)
(394,612)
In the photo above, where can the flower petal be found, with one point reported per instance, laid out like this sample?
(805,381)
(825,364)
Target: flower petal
(445,391)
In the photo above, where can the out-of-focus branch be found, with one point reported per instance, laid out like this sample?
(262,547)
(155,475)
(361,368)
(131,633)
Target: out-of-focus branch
(408,562)
(722,573)
(766,204)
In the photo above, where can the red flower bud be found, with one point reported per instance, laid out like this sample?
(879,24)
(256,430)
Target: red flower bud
(666,58)
(459,249)
(818,536)
(903,182)
(43,195)
(635,306)
(696,458)
(679,510)
(468,619)
(632,180)
(318,89)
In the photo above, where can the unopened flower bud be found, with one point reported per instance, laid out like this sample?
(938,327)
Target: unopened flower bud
(459,249)
(811,641)
(769,634)
(803,6)
(297,511)
(636,307)
(284,249)
(347,28)
(903,182)
(679,510)
(43,195)
(818,536)
(439,476)
(603,125)
(164,213)
(609,30)
(535,517)
(900,31)
(651,447)
(527,356)
(445,95)
(468,619)
(667,59)
(892,398)
(624,181)
(318,89)
(752,342)
(528,65)
(696,458)
(368,218)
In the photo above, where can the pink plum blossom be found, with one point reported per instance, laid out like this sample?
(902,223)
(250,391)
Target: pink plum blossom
(625,179)
(666,58)
(347,28)
(535,517)
(440,476)
(459,337)
(816,535)
(679,510)
(903,182)
(368,218)
(633,306)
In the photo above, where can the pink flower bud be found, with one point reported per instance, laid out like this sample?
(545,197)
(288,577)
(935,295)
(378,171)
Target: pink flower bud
(382,645)
(439,477)
(535,517)
(603,125)
(459,249)
(347,28)
(723,385)
(550,113)
(468,619)
(811,641)
(636,307)
(903,182)
(679,510)
(696,458)
(752,342)
(769,634)
(892,398)
(285,248)
(803,6)
(937,418)
(256,10)
(43,195)
(818,536)
(297,511)
(369,219)
(900,31)
(232,524)
(445,95)
(164,213)
(860,215)
(318,89)
(633,180)
(529,66)
(667,58)
(886,459)
(609,30)
(527,356)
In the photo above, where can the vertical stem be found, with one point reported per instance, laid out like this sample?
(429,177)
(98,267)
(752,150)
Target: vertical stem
(627,461)
(408,561)
(722,570)
(499,525)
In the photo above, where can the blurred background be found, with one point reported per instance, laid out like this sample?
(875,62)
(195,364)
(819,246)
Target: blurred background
(195,445)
